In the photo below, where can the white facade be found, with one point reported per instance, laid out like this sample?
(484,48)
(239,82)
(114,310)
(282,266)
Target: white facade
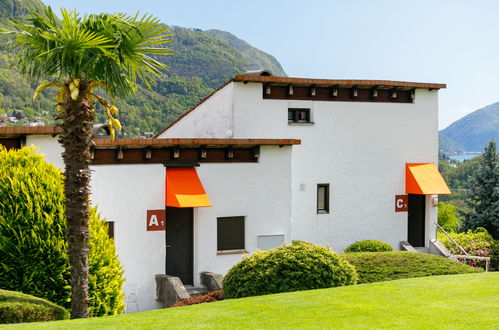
(359,148)
(261,192)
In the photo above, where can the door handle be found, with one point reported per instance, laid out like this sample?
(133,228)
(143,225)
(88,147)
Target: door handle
(168,246)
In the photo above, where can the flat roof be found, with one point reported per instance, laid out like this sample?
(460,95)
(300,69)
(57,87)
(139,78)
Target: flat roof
(18,131)
(213,142)
(336,82)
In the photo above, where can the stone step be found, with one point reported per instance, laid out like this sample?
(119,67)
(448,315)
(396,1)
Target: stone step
(422,249)
(195,291)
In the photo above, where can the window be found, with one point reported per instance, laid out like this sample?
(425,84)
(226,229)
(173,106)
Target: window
(110,229)
(323,198)
(230,233)
(298,115)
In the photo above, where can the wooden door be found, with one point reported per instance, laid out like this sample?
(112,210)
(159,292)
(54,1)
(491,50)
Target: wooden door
(416,220)
(179,243)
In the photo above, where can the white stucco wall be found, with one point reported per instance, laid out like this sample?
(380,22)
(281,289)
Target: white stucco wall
(211,119)
(49,147)
(124,193)
(261,192)
(359,148)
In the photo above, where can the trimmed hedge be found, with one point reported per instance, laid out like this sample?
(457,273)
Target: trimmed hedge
(16,307)
(369,246)
(33,242)
(299,266)
(386,266)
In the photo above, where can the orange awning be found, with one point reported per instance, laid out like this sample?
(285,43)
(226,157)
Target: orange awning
(424,179)
(183,188)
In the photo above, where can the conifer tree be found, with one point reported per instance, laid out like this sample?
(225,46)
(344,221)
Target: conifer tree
(483,199)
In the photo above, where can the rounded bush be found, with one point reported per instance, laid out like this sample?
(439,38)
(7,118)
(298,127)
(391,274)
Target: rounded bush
(299,266)
(369,246)
(17,307)
(33,242)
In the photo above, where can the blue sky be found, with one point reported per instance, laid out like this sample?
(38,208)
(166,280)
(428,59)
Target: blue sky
(445,41)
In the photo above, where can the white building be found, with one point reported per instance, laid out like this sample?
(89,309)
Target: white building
(365,169)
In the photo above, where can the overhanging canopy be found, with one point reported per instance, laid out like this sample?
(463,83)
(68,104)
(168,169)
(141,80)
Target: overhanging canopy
(424,179)
(184,189)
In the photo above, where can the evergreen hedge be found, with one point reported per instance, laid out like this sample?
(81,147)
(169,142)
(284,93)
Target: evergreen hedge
(33,242)
(299,266)
(16,307)
(369,246)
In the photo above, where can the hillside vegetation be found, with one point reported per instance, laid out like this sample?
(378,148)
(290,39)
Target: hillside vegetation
(472,132)
(202,61)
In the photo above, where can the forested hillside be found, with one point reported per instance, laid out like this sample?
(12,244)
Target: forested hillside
(472,132)
(202,61)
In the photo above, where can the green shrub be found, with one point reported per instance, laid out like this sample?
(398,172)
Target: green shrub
(32,225)
(369,246)
(299,266)
(494,257)
(476,243)
(386,266)
(105,272)
(32,239)
(17,307)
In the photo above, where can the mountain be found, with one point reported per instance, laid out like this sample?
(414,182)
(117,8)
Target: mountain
(255,58)
(472,132)
(202,61)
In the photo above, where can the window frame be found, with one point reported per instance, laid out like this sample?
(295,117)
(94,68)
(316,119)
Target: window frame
(327,195)
(240,247)
(296,120)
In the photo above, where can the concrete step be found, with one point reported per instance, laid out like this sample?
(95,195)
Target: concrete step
(422,249)
(195,291)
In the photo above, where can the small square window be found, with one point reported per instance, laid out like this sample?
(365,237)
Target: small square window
(110,229)
(230,233)
(298,115)
(323,198)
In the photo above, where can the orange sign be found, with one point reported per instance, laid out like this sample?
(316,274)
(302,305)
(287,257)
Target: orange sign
(156,220)
(401,202)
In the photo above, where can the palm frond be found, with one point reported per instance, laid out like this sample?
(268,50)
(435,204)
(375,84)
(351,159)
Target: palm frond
(112,48)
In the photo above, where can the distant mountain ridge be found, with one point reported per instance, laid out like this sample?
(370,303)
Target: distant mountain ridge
(202,61)
(472,132)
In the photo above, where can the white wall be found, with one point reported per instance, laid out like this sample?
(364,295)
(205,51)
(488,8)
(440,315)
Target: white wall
(359,148)
(49,147)
(259,191)
(123,194)
(211,119)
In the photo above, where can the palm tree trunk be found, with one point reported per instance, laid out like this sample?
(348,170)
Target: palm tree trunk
(78,118)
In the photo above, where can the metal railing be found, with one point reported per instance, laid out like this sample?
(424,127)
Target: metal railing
(466,255)
(449,237)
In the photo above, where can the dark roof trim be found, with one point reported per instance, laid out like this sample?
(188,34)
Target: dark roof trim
(338,82)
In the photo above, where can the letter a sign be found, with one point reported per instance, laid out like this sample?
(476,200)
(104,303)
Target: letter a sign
(155,220)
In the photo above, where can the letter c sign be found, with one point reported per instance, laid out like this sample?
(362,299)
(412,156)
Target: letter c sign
(401,202)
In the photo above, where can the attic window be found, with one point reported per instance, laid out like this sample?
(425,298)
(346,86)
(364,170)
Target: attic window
(298,115)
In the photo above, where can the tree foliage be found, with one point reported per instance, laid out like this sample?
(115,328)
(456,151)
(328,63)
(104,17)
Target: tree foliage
(448,217)
(483,200)
(32,240)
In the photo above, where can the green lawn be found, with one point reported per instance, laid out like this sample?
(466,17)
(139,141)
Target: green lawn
(451,301)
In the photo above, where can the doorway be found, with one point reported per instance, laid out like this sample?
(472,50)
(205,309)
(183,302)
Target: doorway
(416,220)
(179,243)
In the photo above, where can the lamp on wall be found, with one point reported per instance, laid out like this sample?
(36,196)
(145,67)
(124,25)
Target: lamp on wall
(434,201)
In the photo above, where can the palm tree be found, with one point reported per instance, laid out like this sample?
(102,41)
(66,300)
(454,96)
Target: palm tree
(110,51)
